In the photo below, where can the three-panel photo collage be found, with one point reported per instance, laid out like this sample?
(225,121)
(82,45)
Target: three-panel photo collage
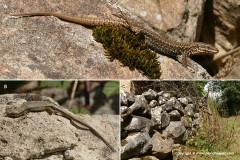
(119,80)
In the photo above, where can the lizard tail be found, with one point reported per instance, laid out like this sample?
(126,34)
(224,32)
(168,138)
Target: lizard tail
(82,21)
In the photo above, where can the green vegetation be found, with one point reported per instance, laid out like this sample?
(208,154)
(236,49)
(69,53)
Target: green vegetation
(111,88)
(231,96)
(129,48)
(59,84)
(217,135)
(80,110)
(230,99)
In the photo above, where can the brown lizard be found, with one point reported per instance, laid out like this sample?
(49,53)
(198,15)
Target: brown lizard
(159,43)
(38,106)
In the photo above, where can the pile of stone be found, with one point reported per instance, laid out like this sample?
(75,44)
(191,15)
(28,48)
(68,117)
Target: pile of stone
(153,122)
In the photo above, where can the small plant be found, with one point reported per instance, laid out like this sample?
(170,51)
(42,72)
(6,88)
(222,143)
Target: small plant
(200,142)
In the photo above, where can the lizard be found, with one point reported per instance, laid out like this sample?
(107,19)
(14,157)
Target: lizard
(38,106)
(157,42)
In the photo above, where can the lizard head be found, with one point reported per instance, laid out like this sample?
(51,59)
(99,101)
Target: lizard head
(203,49)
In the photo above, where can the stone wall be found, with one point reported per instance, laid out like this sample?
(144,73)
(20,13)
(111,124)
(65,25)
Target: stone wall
(153,122)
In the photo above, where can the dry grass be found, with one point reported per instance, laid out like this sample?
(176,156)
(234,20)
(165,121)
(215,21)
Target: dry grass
(218,136)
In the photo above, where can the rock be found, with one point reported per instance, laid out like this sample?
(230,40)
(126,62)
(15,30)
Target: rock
(126,85)
(177,26)
(71,52)
(161,100)
(137,123)
(228,14)
(186,121)
(176,130)
(145,158)
(127,98)
(161,147)
(189,110)
(163,97)
(169,105)
(160,93)
(150,95)
(160,118)
(157,111)
(185,100)
(166,95)
(178,106)
(175,115)
(135,145)
(124,134)
(123,109)
(234,74)
(69,155)
(48,135)
(140,106)
(153,103)
(68,56)
(174,121)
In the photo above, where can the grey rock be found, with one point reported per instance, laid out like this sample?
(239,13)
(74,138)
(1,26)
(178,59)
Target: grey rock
(127,98)
(69,154)
(185,100)
(157,111)
(150,95)
(178,106)
(160,93)
(140,106)
(162,147)
(123,109)
(175,115)
(169,105)
(153,103)
(145,158)
(135,145)
(163,97)
(186,121)
(137,123)
(173,99)
(189,110)
(163,106)
(161,100)
(160,120)
(176,130)
(166,95)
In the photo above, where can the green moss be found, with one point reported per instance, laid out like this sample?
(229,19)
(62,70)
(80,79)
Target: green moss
(129,48)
